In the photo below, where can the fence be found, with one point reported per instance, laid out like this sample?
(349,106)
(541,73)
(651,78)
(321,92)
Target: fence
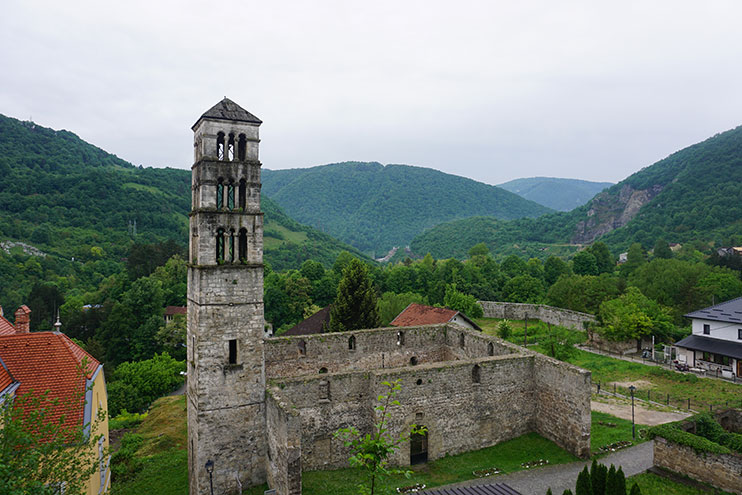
(657,398)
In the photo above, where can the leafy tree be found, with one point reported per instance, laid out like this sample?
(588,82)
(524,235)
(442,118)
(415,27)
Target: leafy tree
(312,270)
(554,268)
(603,257)
(355,304)
(44,301)
(560,342)
(371,451)
(38,454)
(504,330)
(135,385)
(172,337)
(514,266)
(391,304)
(524,289)
(635,257)
(464,303)
(662,249)
(480,249)
(583,293)
(633,316)
(584,263)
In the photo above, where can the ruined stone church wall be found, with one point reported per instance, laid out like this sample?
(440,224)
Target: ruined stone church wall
(548,314)
(562,399)
(283,456)
(466,343)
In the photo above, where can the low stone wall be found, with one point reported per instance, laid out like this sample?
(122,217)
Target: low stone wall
(720,470)
(548,314)
(730,420)
(283,463)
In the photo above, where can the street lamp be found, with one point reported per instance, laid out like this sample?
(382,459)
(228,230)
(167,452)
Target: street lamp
(210,470)
(633,425)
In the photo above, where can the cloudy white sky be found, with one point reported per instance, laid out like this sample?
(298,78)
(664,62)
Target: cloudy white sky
(492,90)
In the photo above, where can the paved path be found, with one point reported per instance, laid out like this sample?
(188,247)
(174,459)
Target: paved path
(633,460)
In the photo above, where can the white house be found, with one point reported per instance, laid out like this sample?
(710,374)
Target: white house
(716,341)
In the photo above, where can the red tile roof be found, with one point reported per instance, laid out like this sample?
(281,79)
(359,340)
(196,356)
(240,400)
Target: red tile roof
(6,327)
(417,314)
(6,379)
(49,361)
(176,310)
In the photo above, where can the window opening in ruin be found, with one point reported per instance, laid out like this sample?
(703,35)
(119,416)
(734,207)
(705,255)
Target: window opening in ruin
(230,196)
(419,381)
(233,351)
(220,245)
(242,147)
(462,341)
(219,194)
(243,194)
(413,360)
(322,371)
(707,329)
(230,148)
(302,348)
(231,245)
(476,374)
(400,338)
(324,390)
(419,448)
(352,343)
(243,245)
(220,146)
(490,349)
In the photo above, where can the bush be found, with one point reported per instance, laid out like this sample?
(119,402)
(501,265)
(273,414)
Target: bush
(124,463)
(504,330)
(672,433)
(135,385)
(126,420)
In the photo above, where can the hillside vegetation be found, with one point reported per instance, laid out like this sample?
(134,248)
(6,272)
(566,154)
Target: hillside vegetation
(693,195)
(375,207)
(555,193)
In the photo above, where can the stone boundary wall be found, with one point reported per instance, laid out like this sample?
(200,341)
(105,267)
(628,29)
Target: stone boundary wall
(720,470)
(283,462)
(375,349)
(563,404)
(548,314)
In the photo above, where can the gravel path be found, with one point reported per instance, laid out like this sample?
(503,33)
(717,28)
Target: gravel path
(633,460)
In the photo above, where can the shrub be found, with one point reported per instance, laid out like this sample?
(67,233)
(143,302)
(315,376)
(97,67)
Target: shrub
(124,463)
(126,420)
(135,385)
(504,330)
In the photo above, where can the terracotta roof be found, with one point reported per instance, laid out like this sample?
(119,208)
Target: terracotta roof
(316,323)
(228,110)
(49,361)
(6,327)
(176,310)
(24,309)
(418,314)
(6,378)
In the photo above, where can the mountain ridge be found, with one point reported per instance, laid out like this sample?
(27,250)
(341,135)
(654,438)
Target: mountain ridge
(557,193)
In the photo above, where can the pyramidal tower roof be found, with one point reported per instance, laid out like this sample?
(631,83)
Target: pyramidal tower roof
(228,110)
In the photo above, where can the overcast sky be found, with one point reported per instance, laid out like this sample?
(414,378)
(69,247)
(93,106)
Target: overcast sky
(492,90)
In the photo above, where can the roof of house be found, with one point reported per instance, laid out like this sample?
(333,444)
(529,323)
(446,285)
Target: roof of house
(316,323)
(419,314)
(49,361)
(176,310)
(729,311)
(6,327)
(6,378)
(712,345)
(228,110)
(493,489)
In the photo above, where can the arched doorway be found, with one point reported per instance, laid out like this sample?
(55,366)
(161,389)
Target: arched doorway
(419,448)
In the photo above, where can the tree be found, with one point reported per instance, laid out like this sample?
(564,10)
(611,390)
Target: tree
(480,249)
(635,258)
(635,490)
(371,451)
(464,303)
(37,454)
(584,485)
(137,384)
(554,268)
(524,289)
(598,474)
(391,304)
(584,263)
(355,303)
(620,482)
(603,257)
(560,342)
(633,316)
(662,249)
(172,337)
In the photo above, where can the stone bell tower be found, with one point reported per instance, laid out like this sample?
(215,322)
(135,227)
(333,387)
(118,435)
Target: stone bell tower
(226,376)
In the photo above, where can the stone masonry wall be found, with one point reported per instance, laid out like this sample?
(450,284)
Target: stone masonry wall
(563,404)
(548,314)
(720,470)
(283,463)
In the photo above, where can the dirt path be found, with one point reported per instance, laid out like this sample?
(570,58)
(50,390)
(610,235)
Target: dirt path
(643,415)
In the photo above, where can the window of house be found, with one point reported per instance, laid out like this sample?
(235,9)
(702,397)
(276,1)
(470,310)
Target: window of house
(706,329)
(233,351)
(739,333)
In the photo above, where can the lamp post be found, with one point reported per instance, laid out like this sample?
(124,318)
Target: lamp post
(633,425)
(210,470)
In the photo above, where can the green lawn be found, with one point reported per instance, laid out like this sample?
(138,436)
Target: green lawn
(602,434)
(651,484)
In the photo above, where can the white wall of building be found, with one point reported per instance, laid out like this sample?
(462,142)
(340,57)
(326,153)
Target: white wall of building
(719,329)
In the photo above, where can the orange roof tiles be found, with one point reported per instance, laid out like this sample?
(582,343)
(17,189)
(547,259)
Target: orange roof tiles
(49,361)
(6,327)
(6,379)
(418,314)
(176,310)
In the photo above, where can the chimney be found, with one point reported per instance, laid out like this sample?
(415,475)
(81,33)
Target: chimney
(1,312)
(23,320)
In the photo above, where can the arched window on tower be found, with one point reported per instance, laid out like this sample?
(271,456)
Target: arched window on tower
(220,146)
(220,245)
(243,194)
(219,194)
(242,147)
(230,148)
(243,245)
(230,196)
(231,246)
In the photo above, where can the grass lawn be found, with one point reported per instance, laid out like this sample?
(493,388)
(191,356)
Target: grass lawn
(602,434)
(651,484)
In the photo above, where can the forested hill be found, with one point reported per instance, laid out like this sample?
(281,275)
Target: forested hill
(375,207)
(558,194)
(71,199)
(694,194)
